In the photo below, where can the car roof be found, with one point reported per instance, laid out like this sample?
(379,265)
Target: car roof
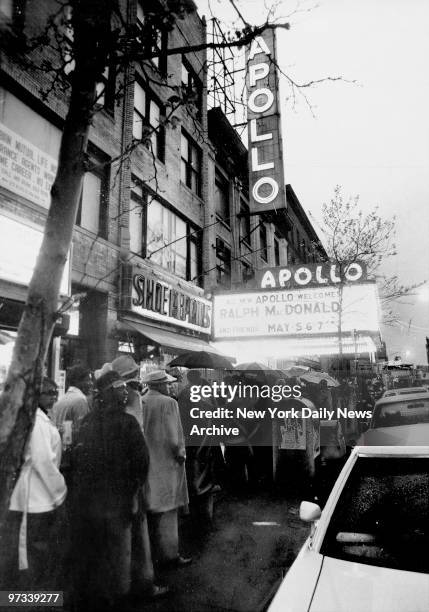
(397,451)
(405,390)
(405,397)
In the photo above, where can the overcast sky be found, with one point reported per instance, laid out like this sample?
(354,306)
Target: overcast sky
(372,137)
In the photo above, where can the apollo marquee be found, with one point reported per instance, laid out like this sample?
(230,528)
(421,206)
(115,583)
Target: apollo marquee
(306,275)
(300,301)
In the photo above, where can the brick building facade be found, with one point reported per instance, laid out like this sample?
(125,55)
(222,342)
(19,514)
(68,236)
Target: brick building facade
(158,231)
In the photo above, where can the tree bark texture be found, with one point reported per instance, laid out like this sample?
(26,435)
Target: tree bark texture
(18,402)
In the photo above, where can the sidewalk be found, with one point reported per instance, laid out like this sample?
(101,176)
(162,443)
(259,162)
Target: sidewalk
(236,566)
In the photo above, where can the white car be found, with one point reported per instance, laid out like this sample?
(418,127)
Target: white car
(399,410)
(405,391)
(369,548)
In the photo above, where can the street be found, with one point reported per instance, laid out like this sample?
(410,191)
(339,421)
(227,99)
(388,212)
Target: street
(239,563)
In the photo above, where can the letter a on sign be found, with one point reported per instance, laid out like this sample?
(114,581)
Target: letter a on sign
(258,46)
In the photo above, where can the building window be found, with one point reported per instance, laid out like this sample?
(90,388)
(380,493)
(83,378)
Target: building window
(303,250)
(193,259)
(171,242)
(153,40)
(244,223)
(6,10)
(106,88)
(12,12)
(190,170)
(147,121)
(306,255)
(192,86)
(92,212)
(276,250)
(298,248)
(223,264)
(222,198)
(67,30)
(263,244)
(246,271)
(137,217)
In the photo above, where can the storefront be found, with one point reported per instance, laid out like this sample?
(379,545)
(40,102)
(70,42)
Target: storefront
(87,340)
(161,317)
(20,240)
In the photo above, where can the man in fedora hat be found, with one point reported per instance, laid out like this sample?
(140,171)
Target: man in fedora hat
(166,488)
(130,372)
(143,575)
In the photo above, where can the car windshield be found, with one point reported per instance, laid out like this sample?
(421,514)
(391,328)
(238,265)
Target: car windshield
(382,515)
(403,412)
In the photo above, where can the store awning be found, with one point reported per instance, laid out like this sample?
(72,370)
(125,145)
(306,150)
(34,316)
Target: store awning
(179,343)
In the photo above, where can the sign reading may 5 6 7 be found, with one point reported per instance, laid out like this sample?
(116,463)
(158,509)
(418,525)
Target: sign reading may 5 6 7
(300,312)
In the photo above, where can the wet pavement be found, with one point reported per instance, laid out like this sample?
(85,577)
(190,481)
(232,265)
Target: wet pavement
(239,563)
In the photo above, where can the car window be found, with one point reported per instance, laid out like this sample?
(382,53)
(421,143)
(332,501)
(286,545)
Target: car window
(402,412)
(382,515)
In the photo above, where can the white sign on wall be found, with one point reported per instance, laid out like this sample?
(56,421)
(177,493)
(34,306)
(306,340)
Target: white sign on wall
(299,312)
(25,169)
(19,246)
(158,299)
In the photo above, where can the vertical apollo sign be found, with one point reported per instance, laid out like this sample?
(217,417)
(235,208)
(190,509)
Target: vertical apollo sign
(266,179)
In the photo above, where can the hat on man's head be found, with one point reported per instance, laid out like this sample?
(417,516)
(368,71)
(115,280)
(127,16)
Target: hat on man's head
(157,377)
(76,374)
(106,367)
(108,380)
(126,367)
(175,371)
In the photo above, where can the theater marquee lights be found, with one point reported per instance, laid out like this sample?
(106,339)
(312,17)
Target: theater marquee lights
(266,177)
(297,313)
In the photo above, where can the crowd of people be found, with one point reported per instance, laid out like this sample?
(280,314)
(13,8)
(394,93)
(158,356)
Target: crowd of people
(108,468)
(94,511)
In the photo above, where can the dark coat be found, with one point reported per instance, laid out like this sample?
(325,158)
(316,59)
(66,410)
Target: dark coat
(111,464)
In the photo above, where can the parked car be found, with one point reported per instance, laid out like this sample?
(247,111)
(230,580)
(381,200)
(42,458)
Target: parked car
(405,391)
(368,548)
(397,410)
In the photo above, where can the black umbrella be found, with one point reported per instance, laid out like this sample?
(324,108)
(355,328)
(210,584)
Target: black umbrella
(259,371)
(202,359)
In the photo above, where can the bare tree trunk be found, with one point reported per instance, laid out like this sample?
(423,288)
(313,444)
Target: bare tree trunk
(18,401)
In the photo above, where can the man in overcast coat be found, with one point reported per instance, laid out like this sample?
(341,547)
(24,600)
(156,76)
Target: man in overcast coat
(166,488)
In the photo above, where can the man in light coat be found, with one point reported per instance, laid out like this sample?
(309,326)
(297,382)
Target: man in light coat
(75,404)
(166,488)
